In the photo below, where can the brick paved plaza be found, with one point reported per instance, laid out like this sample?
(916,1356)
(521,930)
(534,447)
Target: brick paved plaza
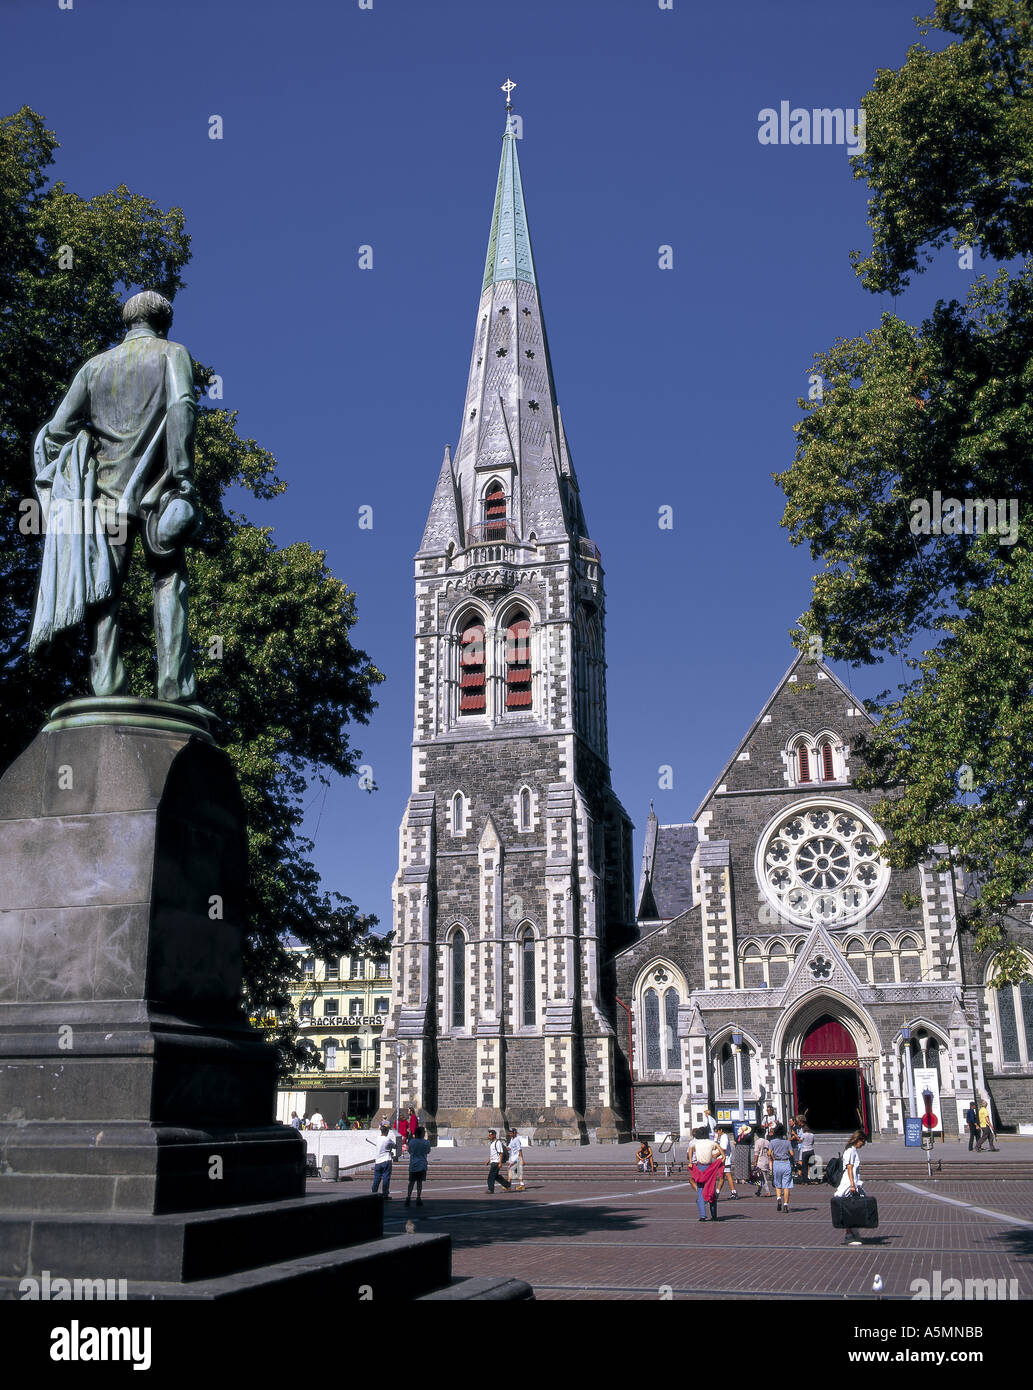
(635,1237)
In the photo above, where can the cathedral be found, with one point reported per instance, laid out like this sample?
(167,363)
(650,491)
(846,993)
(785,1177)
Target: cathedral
(769,955)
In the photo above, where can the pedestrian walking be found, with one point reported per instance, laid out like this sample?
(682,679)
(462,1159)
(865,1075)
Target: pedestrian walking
(296,1121)
(972,1121)
(806,1151)
(781,1167)
(850,1182)
(707,1166)
(710,1123)
(516,1160)
(383,1162)
(762,1163)
(724,1142)
(743,1153)
(769,1121)
(987,1133)
(498,1154)
(419,1149)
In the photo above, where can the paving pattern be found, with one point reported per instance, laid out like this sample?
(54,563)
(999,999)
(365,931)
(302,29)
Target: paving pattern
(643,1240)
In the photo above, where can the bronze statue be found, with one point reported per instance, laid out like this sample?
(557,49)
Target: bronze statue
(117,459)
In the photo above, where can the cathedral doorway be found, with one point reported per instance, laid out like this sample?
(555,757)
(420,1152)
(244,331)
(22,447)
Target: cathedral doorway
(828,1082)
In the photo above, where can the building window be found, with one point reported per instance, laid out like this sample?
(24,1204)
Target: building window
(354,1055)
(471,679)
(828,765)
(459,980)
(1014,1009)
(357,971)
(458,814)
(378,1048)
(518,662)
(330,1008)
(821,863)
(727,1065)
(354,1008)
(305,1011)
(803,764)
(529,1012)
(333,968)
(525,809)
(671,1002)
(652,1002)
(381,1005)
(495,512)
(309,967)
(331,1056)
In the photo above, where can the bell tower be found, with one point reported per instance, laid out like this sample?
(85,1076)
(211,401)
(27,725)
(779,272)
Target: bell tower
(514,883)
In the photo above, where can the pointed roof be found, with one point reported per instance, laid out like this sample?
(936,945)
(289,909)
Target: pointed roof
(800,659)
(509,245)
(445,518)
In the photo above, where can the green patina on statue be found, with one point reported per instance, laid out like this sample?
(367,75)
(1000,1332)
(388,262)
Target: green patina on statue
(117,459)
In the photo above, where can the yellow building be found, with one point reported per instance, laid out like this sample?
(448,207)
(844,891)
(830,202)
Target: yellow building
(341,1005)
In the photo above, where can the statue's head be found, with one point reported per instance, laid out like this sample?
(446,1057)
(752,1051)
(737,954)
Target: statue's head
(148,307)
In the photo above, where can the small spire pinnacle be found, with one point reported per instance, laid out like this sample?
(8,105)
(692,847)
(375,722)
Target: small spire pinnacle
(508,87)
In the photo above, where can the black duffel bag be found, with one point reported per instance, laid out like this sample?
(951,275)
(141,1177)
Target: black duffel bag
(855,1211)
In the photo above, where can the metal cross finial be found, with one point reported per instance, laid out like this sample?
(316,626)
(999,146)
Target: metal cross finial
(508,87)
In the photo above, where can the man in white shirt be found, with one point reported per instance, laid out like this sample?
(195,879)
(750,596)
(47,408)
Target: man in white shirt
(516,1160)
(382,1164)
(317,1121)
(496,1157)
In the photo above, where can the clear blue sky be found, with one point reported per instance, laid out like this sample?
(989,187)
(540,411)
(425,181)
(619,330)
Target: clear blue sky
(345,127)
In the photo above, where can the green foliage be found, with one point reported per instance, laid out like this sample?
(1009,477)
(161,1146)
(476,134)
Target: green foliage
(284,679)
(945,407)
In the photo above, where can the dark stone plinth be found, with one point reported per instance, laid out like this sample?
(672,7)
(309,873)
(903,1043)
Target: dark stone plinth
(129,1073)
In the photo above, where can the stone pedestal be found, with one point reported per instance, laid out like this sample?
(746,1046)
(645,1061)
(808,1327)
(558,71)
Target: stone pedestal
(131,1081)
(137,1133)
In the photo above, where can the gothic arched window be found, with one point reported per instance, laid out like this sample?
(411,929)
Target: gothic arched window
(458,813)
(828,763)
(459,979)
(528,1010)
(727,1063)
(882,961)
(525,808)
(495,512)
(803,763)
(518,662)
(1013,1007)
(658,1010)
(471,678)
(652,1012)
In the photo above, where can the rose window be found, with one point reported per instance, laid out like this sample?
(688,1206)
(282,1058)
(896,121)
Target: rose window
(822,864)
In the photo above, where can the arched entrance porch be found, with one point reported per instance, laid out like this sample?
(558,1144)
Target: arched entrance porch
(828,1068)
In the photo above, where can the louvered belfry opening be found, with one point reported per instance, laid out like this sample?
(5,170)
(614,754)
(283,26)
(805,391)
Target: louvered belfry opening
(803,758)
(495,513)
(518,662)
(471,678)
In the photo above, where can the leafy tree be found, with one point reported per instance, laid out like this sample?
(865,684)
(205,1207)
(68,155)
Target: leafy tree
(270,626)
(943,408)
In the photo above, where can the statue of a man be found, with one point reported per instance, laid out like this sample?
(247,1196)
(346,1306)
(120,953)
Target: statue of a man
(117,459)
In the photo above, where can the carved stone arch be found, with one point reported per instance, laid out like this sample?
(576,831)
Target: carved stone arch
(793,1023)
(455,921)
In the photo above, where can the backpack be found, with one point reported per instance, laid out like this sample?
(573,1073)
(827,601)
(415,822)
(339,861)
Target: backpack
(833,1172)
(503,1151)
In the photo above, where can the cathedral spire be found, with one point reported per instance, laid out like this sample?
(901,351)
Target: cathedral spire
(509,245)
(512,444)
